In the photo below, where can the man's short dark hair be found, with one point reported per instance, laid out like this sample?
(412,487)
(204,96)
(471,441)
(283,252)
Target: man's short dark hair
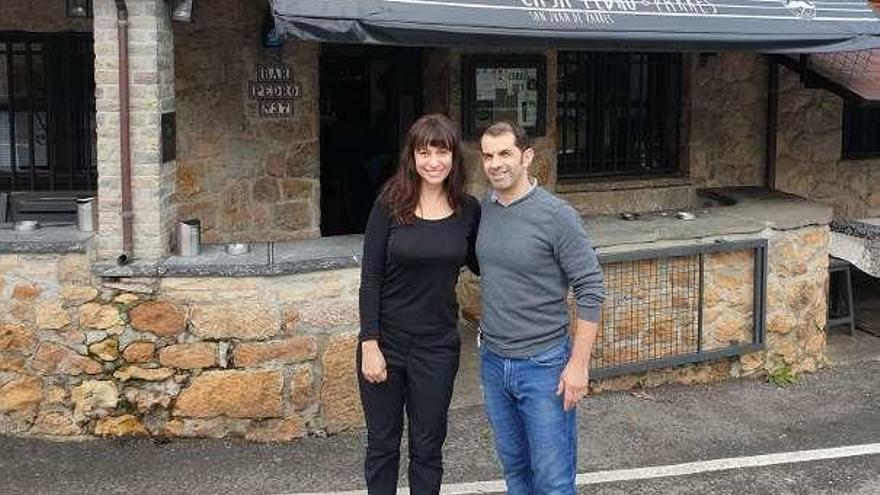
(520,138)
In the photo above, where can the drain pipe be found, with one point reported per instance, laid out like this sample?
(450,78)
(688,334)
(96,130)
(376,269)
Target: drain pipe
(772,125)
(124,133)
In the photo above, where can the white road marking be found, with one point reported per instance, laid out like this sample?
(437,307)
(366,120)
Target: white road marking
(666,471)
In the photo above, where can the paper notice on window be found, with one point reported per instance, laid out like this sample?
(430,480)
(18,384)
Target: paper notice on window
(502,79)
(485,84)
(516,81)
(527,108)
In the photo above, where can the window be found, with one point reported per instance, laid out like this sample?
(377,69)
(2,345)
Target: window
(47,113)
(861,131)
(618,114)
(504,87)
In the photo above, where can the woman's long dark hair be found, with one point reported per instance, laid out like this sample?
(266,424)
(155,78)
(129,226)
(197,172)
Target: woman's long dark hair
(401,193)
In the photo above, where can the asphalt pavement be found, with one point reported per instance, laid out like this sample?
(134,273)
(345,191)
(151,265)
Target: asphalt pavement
(664,426)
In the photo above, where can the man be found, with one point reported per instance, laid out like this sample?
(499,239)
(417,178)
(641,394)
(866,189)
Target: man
(532,247)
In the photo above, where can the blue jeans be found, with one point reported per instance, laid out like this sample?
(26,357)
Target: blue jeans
(535,438)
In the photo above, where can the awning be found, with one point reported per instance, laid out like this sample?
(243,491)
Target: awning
(770,26)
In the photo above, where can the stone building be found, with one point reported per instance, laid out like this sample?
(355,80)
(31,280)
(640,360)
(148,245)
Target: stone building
(281,143)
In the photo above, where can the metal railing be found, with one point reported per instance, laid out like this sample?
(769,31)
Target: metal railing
(654,314)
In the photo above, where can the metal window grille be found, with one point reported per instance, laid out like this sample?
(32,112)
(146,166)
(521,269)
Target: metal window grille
(618,113)
(653,316)
(861,131)
(47,113)
(652,311)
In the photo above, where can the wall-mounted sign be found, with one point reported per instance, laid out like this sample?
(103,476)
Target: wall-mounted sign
(276,108)
(506,87)
(274,72)
(258,90)
(274,90)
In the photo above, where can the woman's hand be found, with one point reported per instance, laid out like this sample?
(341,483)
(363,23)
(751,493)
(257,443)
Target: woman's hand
(373,362)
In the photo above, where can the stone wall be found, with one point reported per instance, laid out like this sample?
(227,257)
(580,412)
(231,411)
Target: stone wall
(51,16)
(246,177)
(186,357)
(728,299)
(809,152)
(797,285)
(270,359)
(726,105)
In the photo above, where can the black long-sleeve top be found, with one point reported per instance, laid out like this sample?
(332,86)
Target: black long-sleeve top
(409,272)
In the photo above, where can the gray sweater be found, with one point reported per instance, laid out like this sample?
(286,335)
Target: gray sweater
(530,252)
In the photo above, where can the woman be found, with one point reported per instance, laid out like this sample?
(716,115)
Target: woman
(420,232)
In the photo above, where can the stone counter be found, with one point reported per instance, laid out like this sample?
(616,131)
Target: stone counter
(753,212)
(47,239)
(263,259)
(750,212)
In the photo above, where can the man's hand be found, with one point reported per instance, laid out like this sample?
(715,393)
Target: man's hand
(573,383)
(575,377)
(373,362)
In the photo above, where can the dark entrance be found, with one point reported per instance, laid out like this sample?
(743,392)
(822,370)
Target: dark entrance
(369,97)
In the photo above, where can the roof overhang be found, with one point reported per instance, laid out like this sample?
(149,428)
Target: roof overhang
(854,75)
(858,71)
(768,26)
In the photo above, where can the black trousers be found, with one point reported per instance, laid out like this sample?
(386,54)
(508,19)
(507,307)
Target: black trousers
(421,373)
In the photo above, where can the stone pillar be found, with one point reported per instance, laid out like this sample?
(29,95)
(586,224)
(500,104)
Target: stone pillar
(151,90)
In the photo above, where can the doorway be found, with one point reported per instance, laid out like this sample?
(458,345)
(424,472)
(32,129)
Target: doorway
(369,98)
